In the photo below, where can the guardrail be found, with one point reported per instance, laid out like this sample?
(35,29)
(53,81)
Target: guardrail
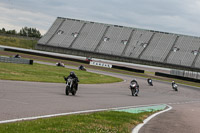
(73,57)
(183,73)
(177,77)
(15,60)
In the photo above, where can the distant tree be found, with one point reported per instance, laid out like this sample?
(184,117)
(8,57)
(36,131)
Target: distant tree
(13,32)
(3,30)
(25,31)
(30,32)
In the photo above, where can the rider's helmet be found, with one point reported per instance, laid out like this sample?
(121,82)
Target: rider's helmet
(173,82)
(134,80)
(72,73)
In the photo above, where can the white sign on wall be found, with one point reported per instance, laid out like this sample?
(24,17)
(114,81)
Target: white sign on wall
(100,64)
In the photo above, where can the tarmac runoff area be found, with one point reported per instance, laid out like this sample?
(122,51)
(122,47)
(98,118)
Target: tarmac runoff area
(20,100)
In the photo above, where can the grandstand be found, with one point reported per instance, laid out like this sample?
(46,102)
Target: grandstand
(121,43)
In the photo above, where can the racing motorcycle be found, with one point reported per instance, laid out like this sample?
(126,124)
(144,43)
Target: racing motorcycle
(70,86)
(150,82)
(134,88)
(175,87)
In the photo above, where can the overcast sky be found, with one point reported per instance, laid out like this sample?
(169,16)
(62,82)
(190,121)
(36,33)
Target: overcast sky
(174,16)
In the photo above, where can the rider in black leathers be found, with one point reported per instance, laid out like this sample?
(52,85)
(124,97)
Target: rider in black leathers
(72,75)
(81,67)
(17,56)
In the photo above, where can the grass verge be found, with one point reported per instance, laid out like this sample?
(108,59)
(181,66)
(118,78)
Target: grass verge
(98,122)
(147,74)
(17,42)
(46,73)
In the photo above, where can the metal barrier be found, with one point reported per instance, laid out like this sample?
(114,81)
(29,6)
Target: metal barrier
(188,74)
(15,60)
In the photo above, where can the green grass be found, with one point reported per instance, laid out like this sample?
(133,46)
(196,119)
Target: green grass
(147,74)
(46,73)
(99,122)
(17,42)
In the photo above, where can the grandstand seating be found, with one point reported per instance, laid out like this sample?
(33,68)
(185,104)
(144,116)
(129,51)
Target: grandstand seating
(115,43)
(184,55)
(51,31)
(158,49)
(139,38)
(68,37)
(196,63)
(123,41)
(90,36)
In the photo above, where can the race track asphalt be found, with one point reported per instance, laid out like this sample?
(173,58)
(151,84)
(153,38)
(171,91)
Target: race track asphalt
(19,99)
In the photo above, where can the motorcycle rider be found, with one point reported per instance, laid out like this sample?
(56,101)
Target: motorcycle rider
(149,80)
(134,80)
(173,83)
(81,67)
(137,86)
(60,64)
(73,75)
(17,56)
(174,86)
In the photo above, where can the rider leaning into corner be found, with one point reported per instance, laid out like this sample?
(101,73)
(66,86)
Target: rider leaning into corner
(137,85)
(73,75)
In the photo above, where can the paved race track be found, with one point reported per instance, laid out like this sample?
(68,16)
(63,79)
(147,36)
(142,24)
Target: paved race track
(20,99)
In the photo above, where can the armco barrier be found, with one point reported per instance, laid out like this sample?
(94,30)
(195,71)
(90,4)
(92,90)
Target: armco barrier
(128,69)
(183,73)
(55,55)
(45,54)
(15,60)
(177,77)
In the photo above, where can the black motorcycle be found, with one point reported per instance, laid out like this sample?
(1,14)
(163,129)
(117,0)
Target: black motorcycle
(71,86)
(150,82)
(175,87)
(134,88)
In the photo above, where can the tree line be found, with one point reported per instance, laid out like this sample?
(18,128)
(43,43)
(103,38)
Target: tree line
(25,31)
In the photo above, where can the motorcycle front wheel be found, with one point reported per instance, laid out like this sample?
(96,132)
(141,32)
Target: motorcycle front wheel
(132,92)
(73,90)
(67,90)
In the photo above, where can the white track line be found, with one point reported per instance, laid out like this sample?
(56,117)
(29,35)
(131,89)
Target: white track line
(97,110)
(138,127)
(78,112)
